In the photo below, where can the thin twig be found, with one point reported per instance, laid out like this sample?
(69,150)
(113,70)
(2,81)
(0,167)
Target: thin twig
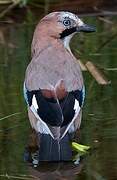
(5,1)
(99,77)
(6,117)
(18,177)
(105,20)
(10,7)
(46,7)
(5,130)
(82,66)
(109,13)
(96,175)
(36,5)
(106,42)
(110,69)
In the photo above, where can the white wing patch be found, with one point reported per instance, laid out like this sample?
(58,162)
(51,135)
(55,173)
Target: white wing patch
(70,126)
(34,102)
(76,105)
(42,127)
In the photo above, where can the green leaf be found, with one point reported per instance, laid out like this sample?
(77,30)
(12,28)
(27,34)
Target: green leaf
(79,147)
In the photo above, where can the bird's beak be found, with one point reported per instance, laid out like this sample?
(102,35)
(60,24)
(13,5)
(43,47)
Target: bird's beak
(85,28)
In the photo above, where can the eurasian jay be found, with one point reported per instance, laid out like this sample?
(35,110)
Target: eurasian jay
(53,86)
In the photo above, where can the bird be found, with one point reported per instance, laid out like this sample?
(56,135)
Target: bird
(54,87)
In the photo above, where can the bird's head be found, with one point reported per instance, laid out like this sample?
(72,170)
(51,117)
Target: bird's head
(60,25)
(63,24)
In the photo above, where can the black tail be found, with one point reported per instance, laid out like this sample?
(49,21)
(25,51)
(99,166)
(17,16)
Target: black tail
(54,150)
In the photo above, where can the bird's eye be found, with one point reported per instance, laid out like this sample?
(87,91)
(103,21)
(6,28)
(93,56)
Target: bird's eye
(67,22)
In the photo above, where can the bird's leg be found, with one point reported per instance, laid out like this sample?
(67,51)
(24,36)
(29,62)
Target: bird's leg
(32,141)
(77,161)
(31,149)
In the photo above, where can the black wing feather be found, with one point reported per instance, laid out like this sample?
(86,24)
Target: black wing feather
(54,113)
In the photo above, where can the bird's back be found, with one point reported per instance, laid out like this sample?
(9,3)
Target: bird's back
(53,65)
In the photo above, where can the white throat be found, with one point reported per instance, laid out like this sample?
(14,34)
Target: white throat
(66,42)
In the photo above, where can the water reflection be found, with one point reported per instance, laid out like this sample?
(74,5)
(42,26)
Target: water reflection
(57,171)
(99,125)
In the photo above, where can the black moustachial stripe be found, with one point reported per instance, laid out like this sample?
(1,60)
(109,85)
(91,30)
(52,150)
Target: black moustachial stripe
(67,32)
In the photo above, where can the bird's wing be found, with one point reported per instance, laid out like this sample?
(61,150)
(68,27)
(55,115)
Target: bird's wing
(56,116)
(47,111)
(71,107)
